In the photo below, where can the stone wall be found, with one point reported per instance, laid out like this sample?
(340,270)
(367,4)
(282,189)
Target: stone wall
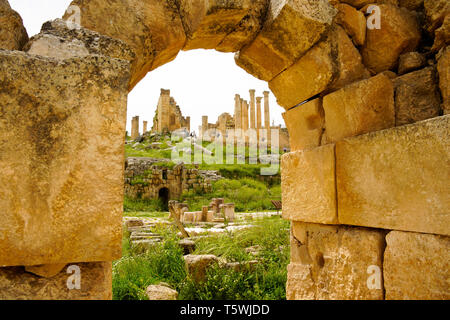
(145,177)
(366,186)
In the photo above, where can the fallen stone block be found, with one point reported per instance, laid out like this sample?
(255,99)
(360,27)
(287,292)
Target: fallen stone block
(159,292)
(308,185)
(197,265)
(416,266)
(396,179)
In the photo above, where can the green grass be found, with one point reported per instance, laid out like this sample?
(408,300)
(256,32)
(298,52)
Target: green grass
(147,207)
(247,194)
(164,263)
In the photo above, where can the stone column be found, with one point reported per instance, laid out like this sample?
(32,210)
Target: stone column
(252,109)
(258,112)
(204,125)
(145,127)
(244,107)
(135,128)
(266,110)
(237,112)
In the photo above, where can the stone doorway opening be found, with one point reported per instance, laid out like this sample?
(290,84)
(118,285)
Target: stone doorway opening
(164,196)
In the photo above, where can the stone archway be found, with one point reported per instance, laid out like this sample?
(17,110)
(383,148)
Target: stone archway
(333,77)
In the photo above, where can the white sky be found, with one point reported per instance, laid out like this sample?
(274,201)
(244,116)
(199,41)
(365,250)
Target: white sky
(203,82)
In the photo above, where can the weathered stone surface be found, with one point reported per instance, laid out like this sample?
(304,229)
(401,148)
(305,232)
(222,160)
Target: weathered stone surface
(411,61)
(96,284)
(58,40)
(207,23)
(153,29)
(436,10)
(247,29)
(305,124)
(416,266)
(359,108)
(399,33)
(353,21)
(134,223)
(444,78)
(332,262)
(416,96)
(197,265)
(46,270)
(396,179)
(61,163)
(291,28)
(442,35)
(13,35)
(411,4)
(158,292)
(308,185)
(362,3)
(329,65)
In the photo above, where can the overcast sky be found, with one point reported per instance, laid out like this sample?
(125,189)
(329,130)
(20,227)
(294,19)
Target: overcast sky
(203,82)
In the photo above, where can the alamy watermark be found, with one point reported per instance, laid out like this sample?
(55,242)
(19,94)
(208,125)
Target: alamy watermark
(74,280)
(252,146)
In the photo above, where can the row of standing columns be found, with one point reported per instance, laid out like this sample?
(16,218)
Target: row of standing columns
(242,109)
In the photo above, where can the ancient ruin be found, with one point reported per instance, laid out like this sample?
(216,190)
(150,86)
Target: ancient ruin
(247,115)
(168,117)
(366,183)
(147,178)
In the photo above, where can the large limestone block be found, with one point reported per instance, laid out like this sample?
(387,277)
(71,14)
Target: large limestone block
(335,263)
(396,179)
(291,29)
(353,21)
(152,28)
(399,33)
(444,78)
(308,184)
(436,11)
(416,96)
(207,23)
(305,125)
(247,29)
(95,283)
(13,35)
(58,40)
(329,65)
(359,108)
(416,266)
(61,158)
(442,35)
